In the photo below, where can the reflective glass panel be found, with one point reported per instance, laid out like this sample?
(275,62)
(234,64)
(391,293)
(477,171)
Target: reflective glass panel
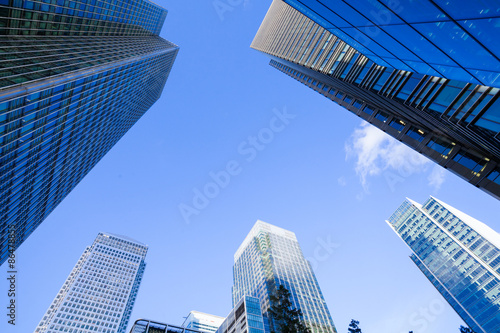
(464,9)
(375,12)
(453,40)
(486,31)
(415,10)
(418,44)
(491,118)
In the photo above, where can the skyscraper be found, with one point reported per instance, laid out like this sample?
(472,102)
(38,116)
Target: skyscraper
(202,322)
(269,257)
(454,123)
(454,39)
(100,292)
(75,76)
(458,254)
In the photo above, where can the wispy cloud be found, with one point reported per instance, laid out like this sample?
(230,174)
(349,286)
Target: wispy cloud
(376,152)
(342,181)
(437,177)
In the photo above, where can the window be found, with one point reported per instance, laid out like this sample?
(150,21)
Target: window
(368,109)
(440,146)
(397,124)
(494,176)
(416,134)
(382,116)
(469,161)
(491,118)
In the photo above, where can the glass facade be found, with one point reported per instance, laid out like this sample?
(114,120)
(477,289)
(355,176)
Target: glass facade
(269,257)
(74,77)
(458,254)
(100,292)
(246,317)
(80,18)
(455,123)
(450,39)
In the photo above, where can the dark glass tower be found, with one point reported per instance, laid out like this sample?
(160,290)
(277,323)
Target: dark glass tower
(458,254)
(269,257)
(454,39)
(454,123)
(74,77)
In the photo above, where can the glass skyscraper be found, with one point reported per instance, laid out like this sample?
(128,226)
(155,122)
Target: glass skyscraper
(100,292)
(74,77)
(458,254)
(454,39)
(440,108)
(269,257)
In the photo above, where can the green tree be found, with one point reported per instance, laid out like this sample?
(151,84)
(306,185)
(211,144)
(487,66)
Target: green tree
(286,319)
(354,327)
(464,329)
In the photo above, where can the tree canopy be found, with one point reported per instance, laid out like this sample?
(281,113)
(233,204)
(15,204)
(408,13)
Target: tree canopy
(285,317)
(354,327)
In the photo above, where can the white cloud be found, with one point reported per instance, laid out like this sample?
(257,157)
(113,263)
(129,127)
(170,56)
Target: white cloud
(342,181)
(376,152)
(437,177)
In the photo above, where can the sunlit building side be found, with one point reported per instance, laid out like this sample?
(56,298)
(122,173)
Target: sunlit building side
(458,254)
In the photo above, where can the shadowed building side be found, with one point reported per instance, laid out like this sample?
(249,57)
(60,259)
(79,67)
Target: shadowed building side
(73,81)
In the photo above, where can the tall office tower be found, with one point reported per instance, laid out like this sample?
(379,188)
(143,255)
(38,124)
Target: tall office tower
(100,292)
(437,106)
(269,257)
(458,254)
(202,322)
(454,39)
(74,77)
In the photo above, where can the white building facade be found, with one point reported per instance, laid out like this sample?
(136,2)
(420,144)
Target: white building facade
(100,292)
(203,322)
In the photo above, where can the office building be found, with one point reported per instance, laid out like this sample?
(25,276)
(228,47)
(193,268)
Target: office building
(74,77)
(202,322)
(455,123)
(269,257)
(458,254)
(100,292)
(246,317)
(149,326)
(454,39)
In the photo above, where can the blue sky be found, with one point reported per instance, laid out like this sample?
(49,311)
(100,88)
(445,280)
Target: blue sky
(319,172)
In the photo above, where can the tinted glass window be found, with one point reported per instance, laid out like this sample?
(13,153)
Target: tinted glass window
(463,9)
(452,39)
